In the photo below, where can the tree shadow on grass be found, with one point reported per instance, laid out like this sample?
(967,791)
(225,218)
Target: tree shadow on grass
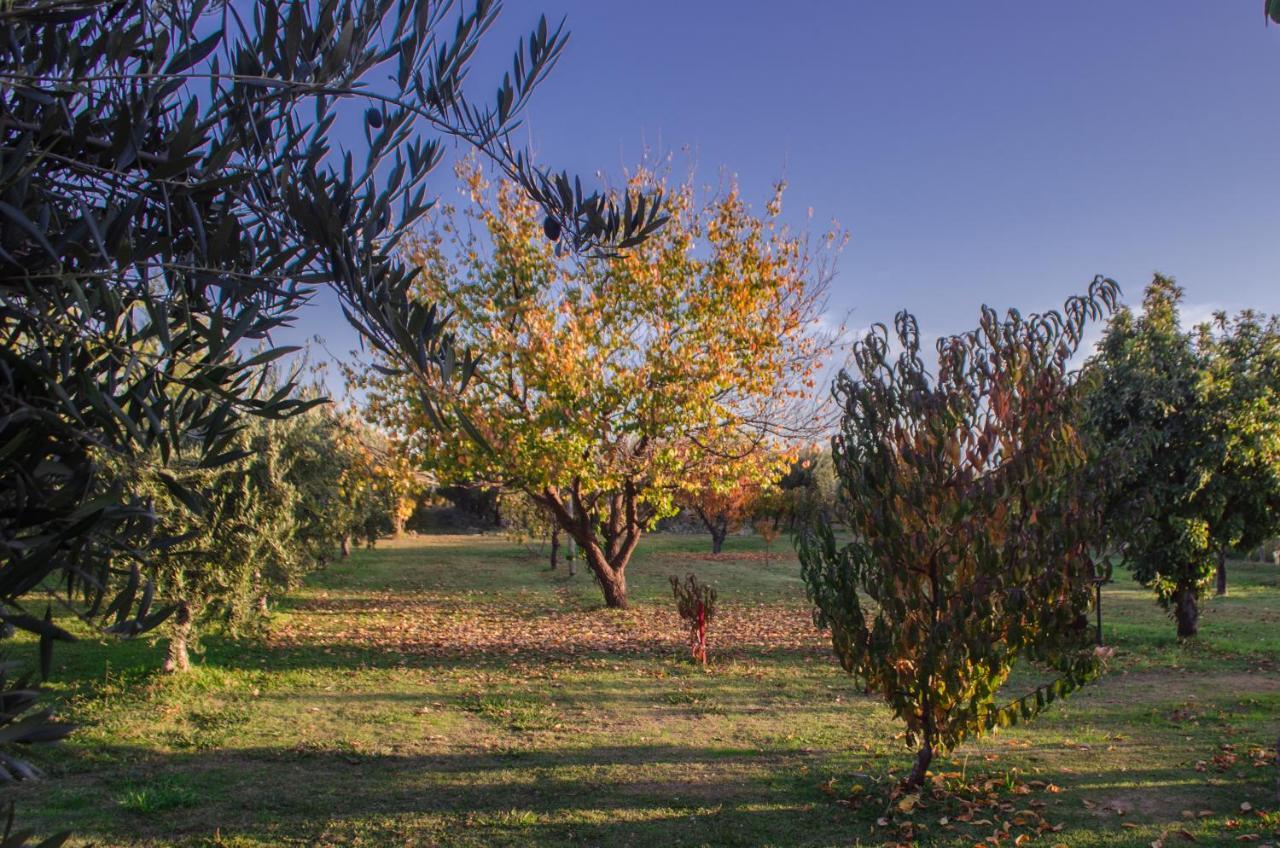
(606,795)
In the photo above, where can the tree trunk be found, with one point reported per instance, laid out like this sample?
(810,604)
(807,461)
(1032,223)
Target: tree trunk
(717,539)
(921,768)
(263,608)
(718,527)
(1222,572)
(346,546)
(613,579)
(555,547)
(176,658)
(607,534)
(1185,611)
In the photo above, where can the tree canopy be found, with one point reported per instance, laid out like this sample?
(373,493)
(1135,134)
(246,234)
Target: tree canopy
(1187,423)
(611,386)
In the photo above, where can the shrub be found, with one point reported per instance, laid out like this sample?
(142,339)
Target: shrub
(973,519)
(696,603)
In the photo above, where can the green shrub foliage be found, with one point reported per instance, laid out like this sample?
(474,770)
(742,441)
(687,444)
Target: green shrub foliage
(973,520)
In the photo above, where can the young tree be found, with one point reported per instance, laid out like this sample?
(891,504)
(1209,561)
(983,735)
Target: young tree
(1189,426)
(611,387)
(364,485)
(973,516)
(725,508)
(696,604)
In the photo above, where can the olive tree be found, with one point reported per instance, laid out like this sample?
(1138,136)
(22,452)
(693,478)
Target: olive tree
(973,519)
(171,194)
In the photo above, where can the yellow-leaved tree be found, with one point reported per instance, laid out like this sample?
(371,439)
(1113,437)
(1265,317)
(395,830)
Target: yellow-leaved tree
(607,387)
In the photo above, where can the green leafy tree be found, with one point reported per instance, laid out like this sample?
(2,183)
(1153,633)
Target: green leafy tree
(1240,392)
(973,517)
(1188,425)
(809,487)
(242,531)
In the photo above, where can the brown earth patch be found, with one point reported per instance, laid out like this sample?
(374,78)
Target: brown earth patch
(728,556)
(455,629)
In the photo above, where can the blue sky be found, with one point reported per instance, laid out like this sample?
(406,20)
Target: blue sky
(997,152)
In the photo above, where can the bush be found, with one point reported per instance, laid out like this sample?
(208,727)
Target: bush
(696,603)
(973,518)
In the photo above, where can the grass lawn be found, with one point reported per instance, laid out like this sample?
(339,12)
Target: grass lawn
(450,690)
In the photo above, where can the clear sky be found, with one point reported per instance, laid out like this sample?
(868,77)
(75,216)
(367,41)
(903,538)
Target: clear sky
(998,152)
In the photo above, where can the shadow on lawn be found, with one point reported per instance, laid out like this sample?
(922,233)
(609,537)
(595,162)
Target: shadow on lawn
(612,795)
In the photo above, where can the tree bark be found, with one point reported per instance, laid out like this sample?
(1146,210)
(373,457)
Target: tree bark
(606,542)
(555,547)
(717,526)
(263,608)
(346,546)
(613,582)
(920,770)
(1222,572)
(1185,612)
(177,658)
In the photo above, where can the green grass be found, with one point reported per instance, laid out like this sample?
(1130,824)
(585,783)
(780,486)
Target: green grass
(451,691)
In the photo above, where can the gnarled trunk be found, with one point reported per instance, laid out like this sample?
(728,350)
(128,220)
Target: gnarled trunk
(613,580)
(605,541)
(177,658)
(1186,612)
(1222,572)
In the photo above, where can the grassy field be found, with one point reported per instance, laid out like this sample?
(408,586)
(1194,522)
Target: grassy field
(452,691)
